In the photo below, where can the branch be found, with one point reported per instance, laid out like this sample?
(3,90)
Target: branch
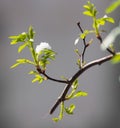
(56,80)
(50,78)
(85,45)
(76,75)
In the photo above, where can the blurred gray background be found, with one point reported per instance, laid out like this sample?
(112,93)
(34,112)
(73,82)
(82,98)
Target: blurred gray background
(26,105)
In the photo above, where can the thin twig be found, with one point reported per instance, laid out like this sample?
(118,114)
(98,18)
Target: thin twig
(85,44)
(76,75)
(50,78)
(56,80)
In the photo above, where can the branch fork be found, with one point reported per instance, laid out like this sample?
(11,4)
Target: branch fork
(83,68)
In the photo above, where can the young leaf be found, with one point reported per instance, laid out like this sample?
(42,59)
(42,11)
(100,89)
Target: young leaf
(44,56)
(35,80)
(13,37)
(110,19)
(103,20)
(33,72)
(116,59)
(70,96)
(79,63)
(86,7)
(88,13)
(13,42)
(31,32)
(83,35)
(80,93)
(61,110)
(75,84)
(18,38)
(38,77)
(23,61)
(15,65)
(21,37)
(90,9)
(70,109)
(60,114)
(55,119)
(21,47)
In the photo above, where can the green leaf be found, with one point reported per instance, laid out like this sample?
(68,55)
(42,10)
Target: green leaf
(86,7)
(74,88)
(15,65)
(60,114)
(87,13)
(69,110)
(113,6)
(22,61)
(35,80)
(103,20)
(55,119)
(33,72)
(84,34)
(110,19)
(47,54)
(43,63)
(21,37)
(13,37)
(31,32)
(79,94)
(90,9)
(100,21)
(61,110)
(79,63)
(116,59)
(38,78)
(44,56)
(71,94)
(18,38)
(21,47)
(75,84)
(13,42)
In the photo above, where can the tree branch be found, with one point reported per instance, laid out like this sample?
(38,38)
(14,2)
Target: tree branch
(76,75)
(56,80)
(84,42)
(50,78)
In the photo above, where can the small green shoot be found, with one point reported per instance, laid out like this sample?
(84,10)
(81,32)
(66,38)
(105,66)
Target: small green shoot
(90,10)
